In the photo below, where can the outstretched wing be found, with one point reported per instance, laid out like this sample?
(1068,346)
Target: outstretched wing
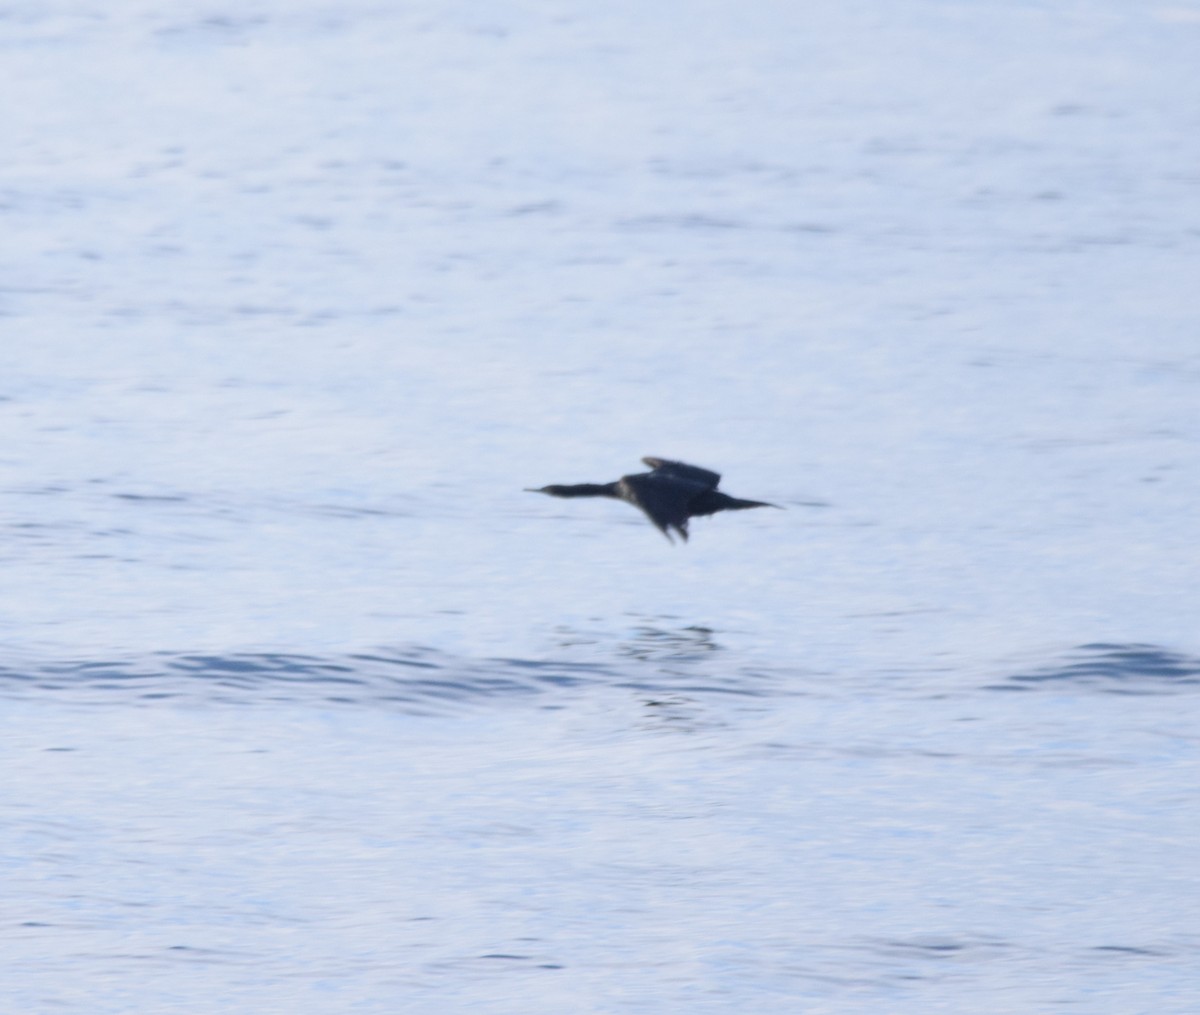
(664,497)
(681,470)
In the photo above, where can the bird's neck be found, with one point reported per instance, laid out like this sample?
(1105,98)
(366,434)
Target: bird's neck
(585,490)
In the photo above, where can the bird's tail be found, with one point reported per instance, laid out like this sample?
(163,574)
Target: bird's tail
(715,501)
(736,504)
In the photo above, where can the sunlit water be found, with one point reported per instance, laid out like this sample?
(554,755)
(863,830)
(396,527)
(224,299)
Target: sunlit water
(308,707)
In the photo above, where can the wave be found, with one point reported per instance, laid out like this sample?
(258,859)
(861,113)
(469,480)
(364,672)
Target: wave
(413,678)
(664,665)
(1133,668)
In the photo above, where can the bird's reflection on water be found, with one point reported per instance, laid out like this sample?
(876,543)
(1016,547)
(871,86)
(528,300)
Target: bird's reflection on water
(661,638)
(653,643)
(677,671)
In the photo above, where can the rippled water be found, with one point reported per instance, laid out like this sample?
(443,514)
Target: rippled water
(309,707)
(670,828)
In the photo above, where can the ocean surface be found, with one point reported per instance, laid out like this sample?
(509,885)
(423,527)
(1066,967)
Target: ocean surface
(306,706)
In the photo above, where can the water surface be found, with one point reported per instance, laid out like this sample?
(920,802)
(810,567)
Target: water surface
(308,707)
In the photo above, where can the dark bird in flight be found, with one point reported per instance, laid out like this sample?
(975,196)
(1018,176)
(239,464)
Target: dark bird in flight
(670,494)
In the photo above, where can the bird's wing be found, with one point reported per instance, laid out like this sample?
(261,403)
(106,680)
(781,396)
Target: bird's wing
(665,498)
(691,473)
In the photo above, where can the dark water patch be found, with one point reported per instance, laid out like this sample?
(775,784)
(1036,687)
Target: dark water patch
(536,208)
(1129,951)
(353,512)
(50,490)
(152,498)
(819,228)
(686,221)
(936,949)
(932,949)
(1135,669)
(654,687)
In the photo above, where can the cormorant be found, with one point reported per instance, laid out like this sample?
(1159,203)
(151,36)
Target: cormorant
(670,494)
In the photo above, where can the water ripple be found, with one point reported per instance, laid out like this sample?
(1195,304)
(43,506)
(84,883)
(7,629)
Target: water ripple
(416,679)
(1114,669)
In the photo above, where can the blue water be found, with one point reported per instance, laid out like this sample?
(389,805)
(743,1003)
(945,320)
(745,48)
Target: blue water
(309,707)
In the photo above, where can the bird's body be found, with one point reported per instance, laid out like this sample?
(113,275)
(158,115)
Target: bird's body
(670,494)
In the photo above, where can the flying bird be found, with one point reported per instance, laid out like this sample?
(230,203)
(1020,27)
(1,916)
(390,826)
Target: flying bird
(670,494)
